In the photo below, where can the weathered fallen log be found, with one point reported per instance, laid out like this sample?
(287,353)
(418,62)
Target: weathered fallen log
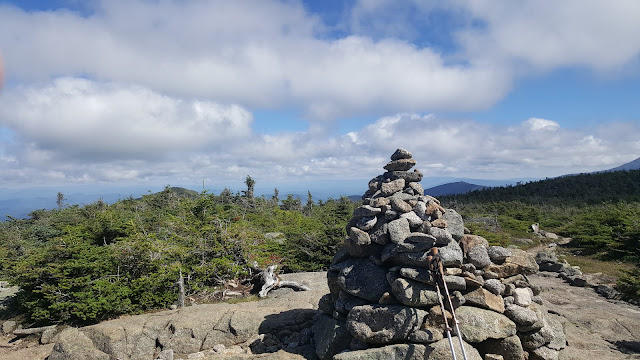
(267,280)
(31,331)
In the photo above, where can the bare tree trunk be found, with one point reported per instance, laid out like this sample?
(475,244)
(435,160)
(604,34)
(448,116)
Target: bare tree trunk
(267,280)
(180,290)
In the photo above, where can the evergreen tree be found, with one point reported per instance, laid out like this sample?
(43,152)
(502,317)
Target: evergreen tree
(250,187)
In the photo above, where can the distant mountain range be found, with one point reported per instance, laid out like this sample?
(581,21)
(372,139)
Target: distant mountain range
(461,187)
(20,202)
(631,165)
(458,187)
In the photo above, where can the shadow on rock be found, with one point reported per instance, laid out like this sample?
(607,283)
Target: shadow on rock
(289,331)
(628,347)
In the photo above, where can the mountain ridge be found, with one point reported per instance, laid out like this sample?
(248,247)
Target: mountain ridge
(631,165)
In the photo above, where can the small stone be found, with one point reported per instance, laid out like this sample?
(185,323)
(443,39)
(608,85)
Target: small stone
(421,210)
(390,214)
(498,254)
(486,300)
(366,211)
(443,237)
(361,278)
(451,255)
(417,188)
(400,206)
(417,237)
(493,357)
(439,223)
(414,220)
(380,202)
(509,289)
(400,165)
(473,283)
(165,355)
(434,210)
(392,187)
(424,228)
(426,335)
(453,271)
(468,267)
(401,154)
(408,176)
(495,286)
(367,223)
(48,335)
(522,296)
(470,241)
(455,225)
(526,319)
(455,282)
(398,230)
(544,353)
(478,256)
(559,340)
(359,237)
(379,233)
(198,355)
(509,348)
(536,339)
(413,293)
(421,275)
(8,327)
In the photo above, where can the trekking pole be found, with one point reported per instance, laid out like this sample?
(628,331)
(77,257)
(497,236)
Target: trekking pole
(432,259)
(437,266)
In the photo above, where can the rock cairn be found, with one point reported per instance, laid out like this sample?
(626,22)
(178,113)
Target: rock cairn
(383,302)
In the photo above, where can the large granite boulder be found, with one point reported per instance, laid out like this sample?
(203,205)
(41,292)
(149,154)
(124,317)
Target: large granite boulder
(330,336)
(379,324)
(478,325)
(360,277)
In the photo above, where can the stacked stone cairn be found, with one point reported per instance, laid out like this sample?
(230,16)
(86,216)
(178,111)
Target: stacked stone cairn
(383,302)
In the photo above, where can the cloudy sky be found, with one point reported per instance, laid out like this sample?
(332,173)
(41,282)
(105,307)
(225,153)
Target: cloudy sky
(177,91)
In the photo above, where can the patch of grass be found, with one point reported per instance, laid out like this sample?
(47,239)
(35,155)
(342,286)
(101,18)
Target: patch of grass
(591,265)
(243,299)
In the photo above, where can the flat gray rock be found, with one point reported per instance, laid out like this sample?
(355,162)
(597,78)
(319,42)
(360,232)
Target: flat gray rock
(398,230)
(479,257)
(451,255)
(442,236)
(362,278)
(478,325)
(413,293)
(455,225)
(401,154)
(378,324)
(330,336)
(389,188)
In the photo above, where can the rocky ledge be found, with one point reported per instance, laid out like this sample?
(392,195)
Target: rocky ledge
(282,321)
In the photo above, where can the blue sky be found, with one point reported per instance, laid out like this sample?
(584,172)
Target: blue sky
(136,92)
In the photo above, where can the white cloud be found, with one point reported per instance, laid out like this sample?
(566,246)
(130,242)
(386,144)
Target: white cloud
(550,34)
(536,124)
(163,91)
(91,120)
(256,53)
(442,147)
